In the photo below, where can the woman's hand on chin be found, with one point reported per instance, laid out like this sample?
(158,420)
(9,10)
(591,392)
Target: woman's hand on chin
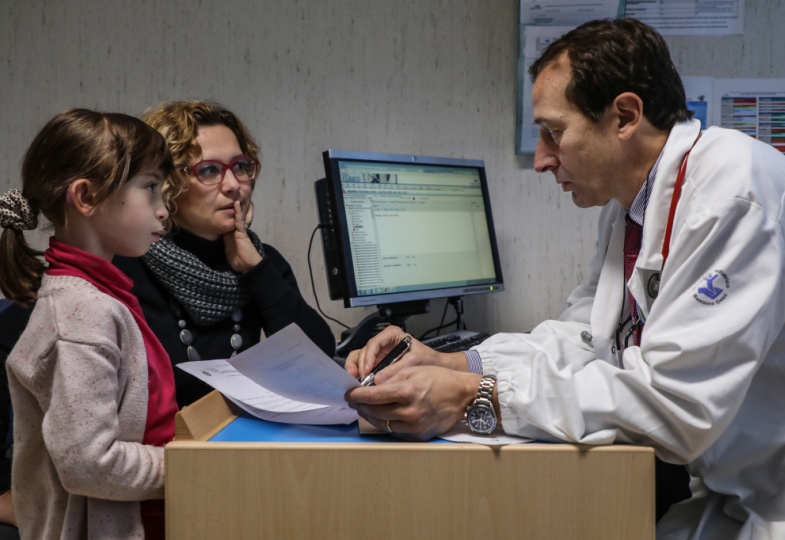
(241,254)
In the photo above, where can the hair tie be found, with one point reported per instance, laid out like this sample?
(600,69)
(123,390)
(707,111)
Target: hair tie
(16,212)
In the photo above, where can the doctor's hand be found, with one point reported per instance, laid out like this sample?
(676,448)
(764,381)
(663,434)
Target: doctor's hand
(416,402)
(359,363)
(241,254)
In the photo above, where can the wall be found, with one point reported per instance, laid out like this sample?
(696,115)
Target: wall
(430,77)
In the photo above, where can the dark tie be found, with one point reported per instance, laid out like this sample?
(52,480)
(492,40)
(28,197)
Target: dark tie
(633,234)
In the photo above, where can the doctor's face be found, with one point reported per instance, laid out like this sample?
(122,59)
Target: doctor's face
(583,155)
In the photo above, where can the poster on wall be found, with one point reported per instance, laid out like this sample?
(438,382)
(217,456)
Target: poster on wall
(541,22)
(689,17)
(699,92)
(761,116)
(753,106)
(534,39)
(561,13)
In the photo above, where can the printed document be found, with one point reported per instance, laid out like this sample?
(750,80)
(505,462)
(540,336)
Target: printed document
(285,378)
(261,402)
(291,365)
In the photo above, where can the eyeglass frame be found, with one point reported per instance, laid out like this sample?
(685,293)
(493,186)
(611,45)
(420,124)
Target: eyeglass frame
(190,169)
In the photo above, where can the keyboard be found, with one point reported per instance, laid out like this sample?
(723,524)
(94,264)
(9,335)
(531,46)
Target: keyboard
(462,340)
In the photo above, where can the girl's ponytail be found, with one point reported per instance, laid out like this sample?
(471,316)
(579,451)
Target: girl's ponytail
(21,268)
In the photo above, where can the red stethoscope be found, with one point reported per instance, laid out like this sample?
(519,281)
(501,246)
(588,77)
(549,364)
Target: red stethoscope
(653,286)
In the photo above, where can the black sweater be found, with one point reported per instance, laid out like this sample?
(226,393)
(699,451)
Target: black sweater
(275,303)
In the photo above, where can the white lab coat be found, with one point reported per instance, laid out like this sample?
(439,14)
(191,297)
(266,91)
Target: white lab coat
(706,387)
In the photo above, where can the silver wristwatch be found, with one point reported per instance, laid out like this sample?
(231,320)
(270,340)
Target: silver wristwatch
(480,414)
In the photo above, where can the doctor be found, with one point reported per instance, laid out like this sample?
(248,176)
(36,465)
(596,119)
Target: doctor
(683,349)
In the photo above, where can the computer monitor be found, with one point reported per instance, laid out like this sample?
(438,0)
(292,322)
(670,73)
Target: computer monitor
(403,228)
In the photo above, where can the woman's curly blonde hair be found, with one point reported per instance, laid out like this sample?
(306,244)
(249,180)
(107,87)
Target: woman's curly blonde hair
(179,123)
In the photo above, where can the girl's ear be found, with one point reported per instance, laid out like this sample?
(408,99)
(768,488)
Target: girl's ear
(80,196)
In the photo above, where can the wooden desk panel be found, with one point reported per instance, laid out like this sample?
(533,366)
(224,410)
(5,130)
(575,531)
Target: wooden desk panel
(408,490)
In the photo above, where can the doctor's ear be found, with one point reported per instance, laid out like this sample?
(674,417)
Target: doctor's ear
(628,108)
(80,196)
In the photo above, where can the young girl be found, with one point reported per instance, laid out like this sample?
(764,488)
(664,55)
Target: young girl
(91,387)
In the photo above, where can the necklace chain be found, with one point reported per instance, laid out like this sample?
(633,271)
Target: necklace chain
(187,338)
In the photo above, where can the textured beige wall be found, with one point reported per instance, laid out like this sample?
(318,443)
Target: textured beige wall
(432,77)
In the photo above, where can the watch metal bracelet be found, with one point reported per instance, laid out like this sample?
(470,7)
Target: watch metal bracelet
(485,390)
(486,387)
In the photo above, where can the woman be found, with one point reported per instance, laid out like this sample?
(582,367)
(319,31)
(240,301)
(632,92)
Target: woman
(211,287)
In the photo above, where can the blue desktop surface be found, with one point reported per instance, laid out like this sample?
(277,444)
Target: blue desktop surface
(247,428)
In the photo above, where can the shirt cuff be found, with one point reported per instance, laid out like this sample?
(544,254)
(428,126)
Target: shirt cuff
(474,361)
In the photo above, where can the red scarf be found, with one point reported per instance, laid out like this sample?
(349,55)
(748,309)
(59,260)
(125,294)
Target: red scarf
(67,260)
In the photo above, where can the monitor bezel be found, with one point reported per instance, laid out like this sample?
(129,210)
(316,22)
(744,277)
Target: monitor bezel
(350,295)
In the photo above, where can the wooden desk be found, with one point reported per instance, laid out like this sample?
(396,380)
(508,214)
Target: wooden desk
(386,490)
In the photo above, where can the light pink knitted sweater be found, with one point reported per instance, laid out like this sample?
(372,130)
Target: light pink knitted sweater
(78,380)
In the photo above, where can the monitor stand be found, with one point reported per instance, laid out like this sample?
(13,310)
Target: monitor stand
(357,337)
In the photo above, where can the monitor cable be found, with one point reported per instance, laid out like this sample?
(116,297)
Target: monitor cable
(441,326)
(457,303)
(313,285)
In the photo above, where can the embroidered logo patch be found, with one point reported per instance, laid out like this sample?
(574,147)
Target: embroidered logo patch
(713,288)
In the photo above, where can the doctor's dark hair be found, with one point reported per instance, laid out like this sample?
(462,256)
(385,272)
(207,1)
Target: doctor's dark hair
(108,149)
(611,56)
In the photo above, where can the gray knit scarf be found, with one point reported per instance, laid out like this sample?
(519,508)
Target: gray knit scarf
(207,295)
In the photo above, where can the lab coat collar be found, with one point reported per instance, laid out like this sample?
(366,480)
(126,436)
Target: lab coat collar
(679,142)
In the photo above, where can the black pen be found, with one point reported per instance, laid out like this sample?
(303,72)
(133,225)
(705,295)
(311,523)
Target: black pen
(392,357)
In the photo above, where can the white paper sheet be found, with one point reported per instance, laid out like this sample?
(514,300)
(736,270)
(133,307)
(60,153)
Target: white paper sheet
(291,365)
(689,17)
(261,402)
(564,13)
(461,433)
(534,40)
(543,21)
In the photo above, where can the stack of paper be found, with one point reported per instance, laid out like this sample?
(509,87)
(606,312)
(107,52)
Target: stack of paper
(285,378)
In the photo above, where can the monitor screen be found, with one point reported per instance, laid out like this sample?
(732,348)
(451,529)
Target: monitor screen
(408,228)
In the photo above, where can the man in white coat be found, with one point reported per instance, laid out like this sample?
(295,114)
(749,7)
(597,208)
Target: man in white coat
(684,349)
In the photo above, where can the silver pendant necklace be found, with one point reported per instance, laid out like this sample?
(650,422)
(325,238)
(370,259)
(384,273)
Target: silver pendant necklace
(187,338)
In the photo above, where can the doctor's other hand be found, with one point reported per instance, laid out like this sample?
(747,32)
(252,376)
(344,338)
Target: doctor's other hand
(416,402)
(359,363)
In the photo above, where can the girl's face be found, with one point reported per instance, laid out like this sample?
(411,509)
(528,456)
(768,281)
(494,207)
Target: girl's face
(132,219)
(208,211)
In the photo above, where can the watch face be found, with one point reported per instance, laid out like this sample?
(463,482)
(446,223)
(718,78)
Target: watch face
(481,419)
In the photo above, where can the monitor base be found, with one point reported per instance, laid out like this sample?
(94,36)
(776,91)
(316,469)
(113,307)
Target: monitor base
(356,337)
